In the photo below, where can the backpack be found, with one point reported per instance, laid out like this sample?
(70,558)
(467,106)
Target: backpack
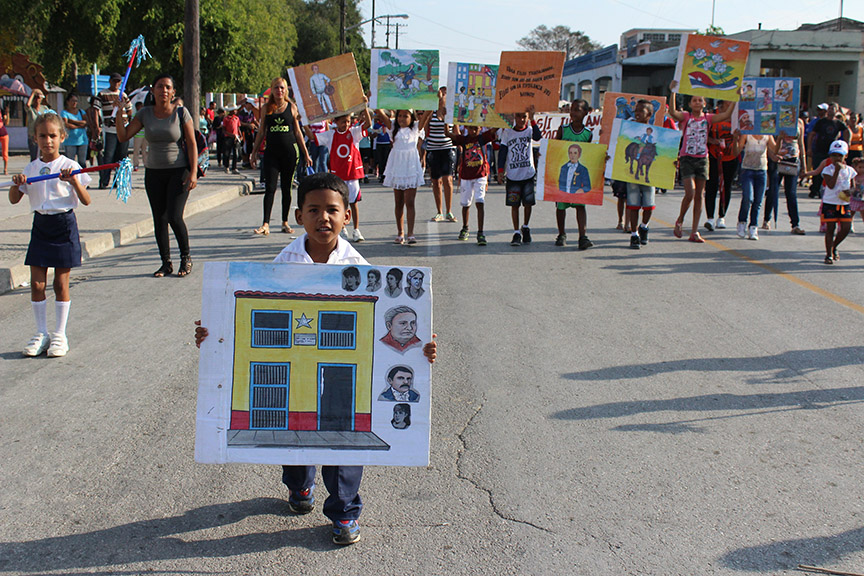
(200,144)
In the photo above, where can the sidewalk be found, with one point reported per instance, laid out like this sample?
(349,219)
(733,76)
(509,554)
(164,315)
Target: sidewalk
(107,222)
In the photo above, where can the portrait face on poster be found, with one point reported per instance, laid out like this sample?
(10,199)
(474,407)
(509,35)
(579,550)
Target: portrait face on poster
(327,88)
(402,79)
(572,172)
(304,363)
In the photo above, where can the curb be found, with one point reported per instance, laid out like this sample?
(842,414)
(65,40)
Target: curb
(95,244)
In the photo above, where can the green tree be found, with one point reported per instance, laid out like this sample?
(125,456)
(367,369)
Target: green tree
(572,42)
(427,58)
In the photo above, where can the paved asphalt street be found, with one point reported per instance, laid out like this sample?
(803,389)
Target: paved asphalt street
(678,410)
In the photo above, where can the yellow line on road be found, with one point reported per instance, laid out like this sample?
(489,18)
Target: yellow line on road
(790,277)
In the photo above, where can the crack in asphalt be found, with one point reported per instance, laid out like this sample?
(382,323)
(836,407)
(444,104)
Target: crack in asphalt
(476,485)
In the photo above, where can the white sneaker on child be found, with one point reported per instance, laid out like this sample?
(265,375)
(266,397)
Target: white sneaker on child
(754,233)
(37,345)
(742,229)
(59,345)
(358,237)
(721,223)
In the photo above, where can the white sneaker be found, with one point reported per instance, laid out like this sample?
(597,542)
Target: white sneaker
(721,223)
(358,237)
(742,229)
(59,345)
(345,233)
(754,233)
(37,345)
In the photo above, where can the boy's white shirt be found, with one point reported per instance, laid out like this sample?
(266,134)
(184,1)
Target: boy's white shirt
(52,196)
(343,254)
(844,182)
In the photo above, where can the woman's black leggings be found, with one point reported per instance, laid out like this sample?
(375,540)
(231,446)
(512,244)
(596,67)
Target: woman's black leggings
(278,166)
(167,196)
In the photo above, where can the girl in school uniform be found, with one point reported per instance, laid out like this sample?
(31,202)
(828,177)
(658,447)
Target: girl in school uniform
(54,239)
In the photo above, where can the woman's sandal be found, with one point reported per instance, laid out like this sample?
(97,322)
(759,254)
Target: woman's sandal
(165,270)
(828,260)
(412,240)
(836,255)
(263,230)
(399,240)
(287,229)
(185,266)
(679,229)
(695,237)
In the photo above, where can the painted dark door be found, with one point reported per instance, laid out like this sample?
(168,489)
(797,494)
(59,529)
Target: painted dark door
(336,406)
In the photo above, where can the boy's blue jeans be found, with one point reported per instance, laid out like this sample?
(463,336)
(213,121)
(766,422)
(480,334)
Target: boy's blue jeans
(342,483)
(752,192)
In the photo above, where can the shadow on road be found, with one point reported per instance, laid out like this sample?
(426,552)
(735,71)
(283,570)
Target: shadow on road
(156,540)
(787,554)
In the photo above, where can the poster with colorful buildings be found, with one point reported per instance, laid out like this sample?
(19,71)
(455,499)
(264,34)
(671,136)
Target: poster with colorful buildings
(471,95)
(314,364)
(571,172)
(711,66)
(401,79)
(768,106)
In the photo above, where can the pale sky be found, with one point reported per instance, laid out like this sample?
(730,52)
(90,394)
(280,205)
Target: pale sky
(478,30)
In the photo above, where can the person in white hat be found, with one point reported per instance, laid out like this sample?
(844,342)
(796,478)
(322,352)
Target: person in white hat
(837,178)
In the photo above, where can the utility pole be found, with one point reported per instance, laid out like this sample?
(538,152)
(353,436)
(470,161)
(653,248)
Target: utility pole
(342,27)
(388,31)
(397,33)
(192,60)
(373,24)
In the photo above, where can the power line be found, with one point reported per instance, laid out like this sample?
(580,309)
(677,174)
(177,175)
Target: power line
(510,46)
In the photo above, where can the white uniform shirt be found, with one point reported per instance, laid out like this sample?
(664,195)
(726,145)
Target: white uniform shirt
(343,254)
(52,196)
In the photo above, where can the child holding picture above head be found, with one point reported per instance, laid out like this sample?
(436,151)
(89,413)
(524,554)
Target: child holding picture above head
(693,158)
(54,239)
(322,210)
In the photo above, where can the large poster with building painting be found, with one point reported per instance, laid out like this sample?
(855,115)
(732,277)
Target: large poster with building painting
(623,105)
(571,172)
(402,79)
(471,95)
(327,88)
(527,79)
(768,106)
(314,364)
(643,154)
(711,66)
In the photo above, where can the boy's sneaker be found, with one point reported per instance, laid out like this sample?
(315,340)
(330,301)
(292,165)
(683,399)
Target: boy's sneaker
(754,233)
(709,225)
(526,235)
(643,234)
(37,345)
(302,501)
(358,237)
(481,239)
(59,345)
(463,234)
(450,217)
(561,240)
(585,243)
(742,229)
(517,239)
(345,233)
(346,532)
(634,242)
(721,223)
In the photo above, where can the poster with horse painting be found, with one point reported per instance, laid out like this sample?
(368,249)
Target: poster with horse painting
(401,79)
(572,172)
(643,154)
(711,66)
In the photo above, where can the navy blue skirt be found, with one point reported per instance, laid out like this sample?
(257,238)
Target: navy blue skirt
(54,241)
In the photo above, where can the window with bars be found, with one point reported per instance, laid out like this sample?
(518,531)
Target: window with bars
(833,89)
(271,328)
(337,330)
(269,396)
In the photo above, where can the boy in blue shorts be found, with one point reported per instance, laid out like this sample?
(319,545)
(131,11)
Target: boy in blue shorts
(640,196)
(322,210)
(518,167)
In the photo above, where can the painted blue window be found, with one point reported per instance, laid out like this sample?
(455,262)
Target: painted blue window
(337,330)
(268,402)
(271,328)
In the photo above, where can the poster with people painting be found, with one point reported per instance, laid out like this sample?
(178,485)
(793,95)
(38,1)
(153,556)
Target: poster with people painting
(623,106)
(314,364)
(471,95)
(768,106)
(327,88)
(571,172)
(643,154)
(711,66)
(402,79)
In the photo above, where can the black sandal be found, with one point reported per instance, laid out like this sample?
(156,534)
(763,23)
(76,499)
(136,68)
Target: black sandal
(164,270)
(185,266)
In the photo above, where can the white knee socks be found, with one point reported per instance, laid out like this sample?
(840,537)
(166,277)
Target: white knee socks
(61,313)
(40,313)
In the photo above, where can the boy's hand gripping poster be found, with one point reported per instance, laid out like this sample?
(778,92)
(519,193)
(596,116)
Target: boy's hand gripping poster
(402,79)
(314,364)
(711,66)
(327,88)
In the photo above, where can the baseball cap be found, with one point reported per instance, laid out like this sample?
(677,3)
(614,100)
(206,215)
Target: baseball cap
(839,147)
(822,106)
(116,76)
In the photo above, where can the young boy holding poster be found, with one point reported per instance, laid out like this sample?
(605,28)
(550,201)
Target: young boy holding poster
(640,196)
(322,210)
(576,131)
(519,170)
(473,175)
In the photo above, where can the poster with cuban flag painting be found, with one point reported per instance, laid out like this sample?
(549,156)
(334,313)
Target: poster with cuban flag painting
(711,66)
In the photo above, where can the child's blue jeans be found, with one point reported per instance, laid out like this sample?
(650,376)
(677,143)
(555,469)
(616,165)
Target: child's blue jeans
(342,483)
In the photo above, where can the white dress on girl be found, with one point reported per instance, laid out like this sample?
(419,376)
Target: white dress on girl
(403,169)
